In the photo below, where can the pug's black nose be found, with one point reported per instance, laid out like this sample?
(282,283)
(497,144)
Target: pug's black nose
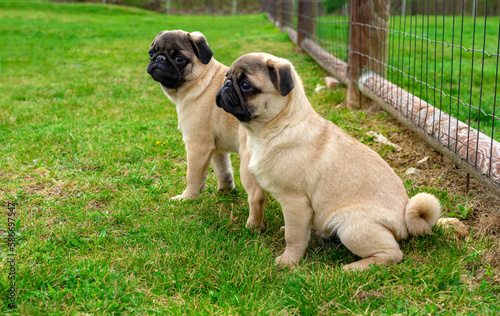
(228,84)
(161,58)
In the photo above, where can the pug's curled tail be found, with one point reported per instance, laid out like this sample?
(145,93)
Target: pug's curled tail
(422,212)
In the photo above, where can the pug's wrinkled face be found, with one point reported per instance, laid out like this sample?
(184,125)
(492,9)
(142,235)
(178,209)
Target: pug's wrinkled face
(177,57)
(257,87)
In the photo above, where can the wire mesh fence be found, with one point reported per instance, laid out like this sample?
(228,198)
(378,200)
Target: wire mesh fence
(431,63)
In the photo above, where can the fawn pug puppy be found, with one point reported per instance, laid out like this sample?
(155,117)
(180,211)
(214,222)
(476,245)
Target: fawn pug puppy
(323,178)
(182,63)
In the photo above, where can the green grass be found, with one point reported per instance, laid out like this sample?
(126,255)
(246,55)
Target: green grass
(90,154)
(415,55)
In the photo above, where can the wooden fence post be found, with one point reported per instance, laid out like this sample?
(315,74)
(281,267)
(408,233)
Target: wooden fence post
(306,21)
(286,18)
(274,8)
(368,38)
(279,18)
(263,6)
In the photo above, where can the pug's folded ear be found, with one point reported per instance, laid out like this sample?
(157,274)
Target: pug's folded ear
(281,76)
(200,47)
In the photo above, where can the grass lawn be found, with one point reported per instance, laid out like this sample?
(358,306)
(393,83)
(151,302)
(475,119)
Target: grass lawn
(90,154)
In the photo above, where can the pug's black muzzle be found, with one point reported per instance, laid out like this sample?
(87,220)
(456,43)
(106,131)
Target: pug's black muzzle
(229,99)
(163,69)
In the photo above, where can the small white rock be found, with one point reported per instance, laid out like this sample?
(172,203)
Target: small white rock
(422,161)
(381,139)
(413,171)
(319,88)
(331,82)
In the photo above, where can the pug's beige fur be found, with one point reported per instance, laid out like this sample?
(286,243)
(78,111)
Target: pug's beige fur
(324,179)
(209,133)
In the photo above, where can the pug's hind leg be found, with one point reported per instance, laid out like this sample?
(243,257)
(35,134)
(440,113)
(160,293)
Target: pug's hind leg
(298,215)
(198,159)
(373,242)
(221,164)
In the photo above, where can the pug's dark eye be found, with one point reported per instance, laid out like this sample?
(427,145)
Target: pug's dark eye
(179,59)
(151,55)
(245,86)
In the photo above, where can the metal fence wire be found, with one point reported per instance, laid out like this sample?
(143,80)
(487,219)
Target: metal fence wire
(431,63)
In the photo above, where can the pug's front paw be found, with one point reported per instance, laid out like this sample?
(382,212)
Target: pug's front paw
(185,196)
(177,197)
(287,259)
(254,226)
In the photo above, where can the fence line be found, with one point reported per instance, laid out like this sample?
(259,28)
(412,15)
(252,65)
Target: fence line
(457,142)
(437,74)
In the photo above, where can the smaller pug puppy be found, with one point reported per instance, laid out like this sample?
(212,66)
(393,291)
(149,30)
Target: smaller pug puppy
(323,178)
(182,63)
